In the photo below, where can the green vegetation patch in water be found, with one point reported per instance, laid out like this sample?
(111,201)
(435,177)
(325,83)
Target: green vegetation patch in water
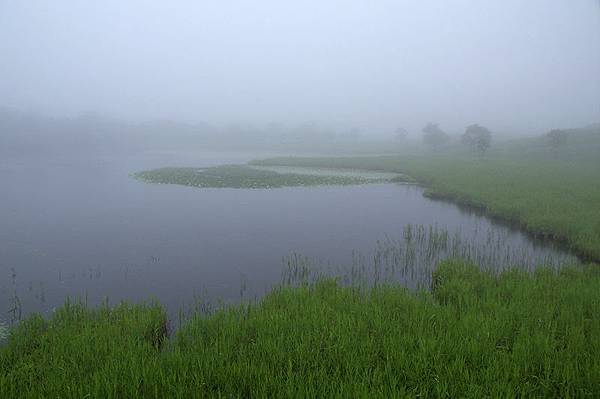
(242,176)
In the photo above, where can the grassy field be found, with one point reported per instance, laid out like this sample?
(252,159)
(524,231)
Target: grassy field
(241,176)
(474,335)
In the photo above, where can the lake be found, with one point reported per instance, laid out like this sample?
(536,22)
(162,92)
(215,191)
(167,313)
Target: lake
(83,228)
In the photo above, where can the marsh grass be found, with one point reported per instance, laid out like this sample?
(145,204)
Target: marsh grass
(475,334)
(412,258)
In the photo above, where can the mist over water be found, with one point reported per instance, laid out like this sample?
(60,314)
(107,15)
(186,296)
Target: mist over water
(354,66)
(85,229)
(270,198)
(91,92)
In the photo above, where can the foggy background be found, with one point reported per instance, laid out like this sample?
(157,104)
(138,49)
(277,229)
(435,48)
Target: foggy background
(94,91)
(355,67)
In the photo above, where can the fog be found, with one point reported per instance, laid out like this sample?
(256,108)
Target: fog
(196,157)
(512,65)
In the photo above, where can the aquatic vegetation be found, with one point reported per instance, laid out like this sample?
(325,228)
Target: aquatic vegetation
(475,334)
(367,174)
(242,176)
(411,259)
(402,178)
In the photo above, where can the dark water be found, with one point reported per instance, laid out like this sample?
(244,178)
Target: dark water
(84,228)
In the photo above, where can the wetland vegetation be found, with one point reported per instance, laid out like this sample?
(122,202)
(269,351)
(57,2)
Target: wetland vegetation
(243,176)
(412,258)
(475,334)
(431,312)
(279,199)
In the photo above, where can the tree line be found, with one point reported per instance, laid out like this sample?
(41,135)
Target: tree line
(478,138)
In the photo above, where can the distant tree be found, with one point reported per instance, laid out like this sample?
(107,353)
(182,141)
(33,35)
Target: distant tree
(434,136)
(557,138)
(477,137)
(401,134)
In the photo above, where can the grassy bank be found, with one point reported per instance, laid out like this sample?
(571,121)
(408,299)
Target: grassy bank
(547,197)
(473,335)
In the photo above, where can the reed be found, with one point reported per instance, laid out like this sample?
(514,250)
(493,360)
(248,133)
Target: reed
(411,259)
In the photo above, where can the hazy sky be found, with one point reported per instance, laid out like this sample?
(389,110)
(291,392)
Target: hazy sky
(509,64)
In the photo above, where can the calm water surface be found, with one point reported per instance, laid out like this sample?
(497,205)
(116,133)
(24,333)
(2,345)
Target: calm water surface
(84,228)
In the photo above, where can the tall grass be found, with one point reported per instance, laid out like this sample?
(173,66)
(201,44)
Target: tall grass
(476,334)
(411,259)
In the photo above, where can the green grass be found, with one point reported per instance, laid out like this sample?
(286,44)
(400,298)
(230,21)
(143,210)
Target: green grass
(80,351)
(474,335)
(411,258)
(241,176)
(555,198)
